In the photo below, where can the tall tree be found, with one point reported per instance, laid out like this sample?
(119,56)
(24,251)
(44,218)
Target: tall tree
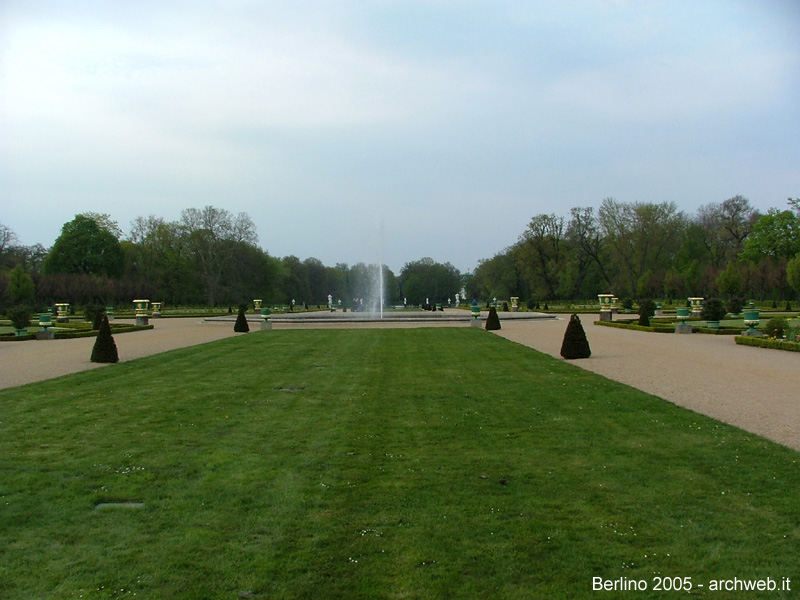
(20,286)
(541,254)
(775,235)
(210,232)
(85,247)
(724,227)
(427,279)
(641,236)
(583,231)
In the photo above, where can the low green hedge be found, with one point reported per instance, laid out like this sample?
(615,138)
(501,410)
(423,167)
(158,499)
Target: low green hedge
(79,330)
(13,337)
(635,327)
(764,342)
(720,331)
(88,332)
(661,327)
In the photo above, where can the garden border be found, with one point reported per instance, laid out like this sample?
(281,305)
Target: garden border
(764,342)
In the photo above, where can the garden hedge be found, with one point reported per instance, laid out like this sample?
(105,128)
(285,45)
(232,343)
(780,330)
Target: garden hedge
(763,342)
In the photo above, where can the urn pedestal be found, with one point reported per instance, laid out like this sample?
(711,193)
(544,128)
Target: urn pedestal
(140,310)
(606,302)
(45,321)
(682,326)
(697,306)
(62,312)
(752,320)
(475,314)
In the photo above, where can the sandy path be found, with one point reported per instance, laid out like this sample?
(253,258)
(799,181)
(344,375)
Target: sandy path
(27,362)
(752,388)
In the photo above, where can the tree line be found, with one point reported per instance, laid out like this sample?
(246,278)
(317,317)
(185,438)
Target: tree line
(211,257)
(208,257)
(648,250)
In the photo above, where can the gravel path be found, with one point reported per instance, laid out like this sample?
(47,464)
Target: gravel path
(752,388)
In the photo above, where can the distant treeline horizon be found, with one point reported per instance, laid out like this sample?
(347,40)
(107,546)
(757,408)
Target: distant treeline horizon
(210,257)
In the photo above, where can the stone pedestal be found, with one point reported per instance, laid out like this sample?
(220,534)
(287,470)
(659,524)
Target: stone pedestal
(47,334)
(475,322)
(266,325)
(606,315)
(683,328)
(142,321)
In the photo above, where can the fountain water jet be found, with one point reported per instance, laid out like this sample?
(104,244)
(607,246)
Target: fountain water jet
(378,285)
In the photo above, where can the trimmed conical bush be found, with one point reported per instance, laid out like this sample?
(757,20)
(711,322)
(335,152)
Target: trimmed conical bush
(241,322)
(104,350)
(492,321)
(575,344)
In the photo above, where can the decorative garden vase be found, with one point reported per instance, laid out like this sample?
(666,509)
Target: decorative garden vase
(751,319)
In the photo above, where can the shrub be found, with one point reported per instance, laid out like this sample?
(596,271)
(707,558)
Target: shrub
(20,316)
(761,342)
(647,308)
(104,349)
(505,306)
(713,310)
(94,314)
(777,327)
(575,344)
(492,321)
(788,306)
(530,304)
(627,303)
(735,306)
(241,325)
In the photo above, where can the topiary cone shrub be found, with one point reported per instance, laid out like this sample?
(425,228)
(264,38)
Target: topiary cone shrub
(104,350)
(492,321)
(647,308)
(575,344)
(241,322)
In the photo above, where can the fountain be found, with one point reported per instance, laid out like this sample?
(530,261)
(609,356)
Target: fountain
(377,285)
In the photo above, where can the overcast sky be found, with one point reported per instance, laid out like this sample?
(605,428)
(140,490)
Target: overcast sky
(450,124)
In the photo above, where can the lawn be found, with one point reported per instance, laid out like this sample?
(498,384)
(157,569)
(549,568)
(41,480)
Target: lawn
(413,463)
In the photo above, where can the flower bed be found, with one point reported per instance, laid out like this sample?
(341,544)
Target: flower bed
(764,342)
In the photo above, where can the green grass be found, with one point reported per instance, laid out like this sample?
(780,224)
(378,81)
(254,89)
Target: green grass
(422,463)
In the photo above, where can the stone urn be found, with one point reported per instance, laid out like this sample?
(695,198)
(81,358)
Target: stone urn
(156,309)
(257,304)
(140,308)
(62,312)
(606,301)
(475,314)
(45,321)
(752,320)
(697,306)
(514,303)
(266,324)
(682,313)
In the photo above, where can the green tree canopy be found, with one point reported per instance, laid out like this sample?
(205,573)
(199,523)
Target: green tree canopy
(427,279)
(793,273)
(85,247)
(20,286)
(776,235)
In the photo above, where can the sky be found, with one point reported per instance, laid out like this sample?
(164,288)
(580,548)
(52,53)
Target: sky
(355,131)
